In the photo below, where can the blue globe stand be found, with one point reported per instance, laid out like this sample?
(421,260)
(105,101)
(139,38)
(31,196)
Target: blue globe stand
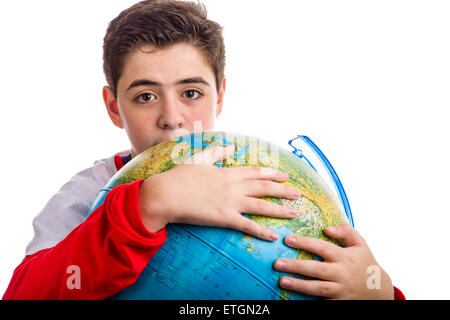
(308,151)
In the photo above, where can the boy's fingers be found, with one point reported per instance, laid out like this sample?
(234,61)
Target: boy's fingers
(252,228)
(211,155)
(327,289)
(345,233)
(309,268)
(266,208)
(255,172)
(324,249)
(265,188)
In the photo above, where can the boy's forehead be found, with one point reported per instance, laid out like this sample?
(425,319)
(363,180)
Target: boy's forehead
(166,66)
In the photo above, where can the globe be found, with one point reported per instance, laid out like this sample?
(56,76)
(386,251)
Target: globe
(211,263)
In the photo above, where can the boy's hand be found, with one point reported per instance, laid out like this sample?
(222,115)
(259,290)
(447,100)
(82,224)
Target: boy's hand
(203,194)
(345,273)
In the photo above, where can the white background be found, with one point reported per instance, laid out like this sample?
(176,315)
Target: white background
(368,81)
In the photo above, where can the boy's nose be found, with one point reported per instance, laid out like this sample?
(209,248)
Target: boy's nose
(171,118)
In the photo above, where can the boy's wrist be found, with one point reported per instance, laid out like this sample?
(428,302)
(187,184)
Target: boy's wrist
(151,207)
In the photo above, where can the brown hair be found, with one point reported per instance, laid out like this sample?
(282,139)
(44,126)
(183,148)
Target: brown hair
(161,23)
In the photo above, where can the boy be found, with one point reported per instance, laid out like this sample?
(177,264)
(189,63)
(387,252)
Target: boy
(164,64)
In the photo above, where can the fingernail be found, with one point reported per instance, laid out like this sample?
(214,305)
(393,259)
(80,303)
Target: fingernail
(296,193)
(273,235)
(331,229)
(281,265)
(293,212)
(286,282)
(290,240)
(285,175)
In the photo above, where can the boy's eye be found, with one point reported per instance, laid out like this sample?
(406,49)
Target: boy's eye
(192,94)
(145,97)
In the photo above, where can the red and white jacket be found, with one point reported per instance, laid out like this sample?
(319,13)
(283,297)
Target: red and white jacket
(107,249)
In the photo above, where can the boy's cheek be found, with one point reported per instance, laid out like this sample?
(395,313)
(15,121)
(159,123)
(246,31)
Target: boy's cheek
(205,115)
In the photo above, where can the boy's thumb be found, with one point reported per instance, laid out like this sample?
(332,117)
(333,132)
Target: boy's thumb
(211,155)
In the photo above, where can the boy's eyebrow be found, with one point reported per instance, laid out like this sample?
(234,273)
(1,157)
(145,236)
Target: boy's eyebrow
(146,82)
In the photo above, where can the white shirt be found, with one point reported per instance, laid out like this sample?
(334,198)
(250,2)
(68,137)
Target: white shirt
(70,206)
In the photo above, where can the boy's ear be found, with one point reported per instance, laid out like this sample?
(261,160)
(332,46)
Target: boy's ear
(111,106)
(220,96)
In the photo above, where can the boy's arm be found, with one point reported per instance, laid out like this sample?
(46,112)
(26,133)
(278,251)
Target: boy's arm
(100,257)
(111,248)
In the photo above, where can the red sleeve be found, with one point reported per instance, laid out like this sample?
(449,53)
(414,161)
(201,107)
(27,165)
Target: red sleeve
(100,257)
(398,295)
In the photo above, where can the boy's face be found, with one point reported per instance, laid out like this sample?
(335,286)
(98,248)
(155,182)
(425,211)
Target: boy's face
(163,94)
